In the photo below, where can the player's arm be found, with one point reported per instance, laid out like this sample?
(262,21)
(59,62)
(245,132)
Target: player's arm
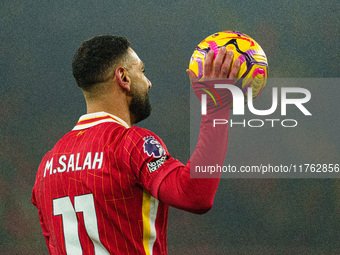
(197,194)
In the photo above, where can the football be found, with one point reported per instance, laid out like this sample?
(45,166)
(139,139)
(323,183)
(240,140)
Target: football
(253,61)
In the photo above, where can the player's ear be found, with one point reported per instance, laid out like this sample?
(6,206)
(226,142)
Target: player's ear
(123,78)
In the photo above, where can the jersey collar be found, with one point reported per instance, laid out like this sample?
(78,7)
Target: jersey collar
(92,119)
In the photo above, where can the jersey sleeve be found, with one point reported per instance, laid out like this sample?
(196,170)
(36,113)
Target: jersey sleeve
(148,159)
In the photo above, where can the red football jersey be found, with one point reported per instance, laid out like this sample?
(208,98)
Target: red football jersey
(95,190)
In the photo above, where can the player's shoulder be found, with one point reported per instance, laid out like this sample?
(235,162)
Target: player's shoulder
(138,133)
(47,156)
(141,137)
(46,159)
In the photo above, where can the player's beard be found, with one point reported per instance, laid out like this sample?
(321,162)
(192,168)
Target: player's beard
(140,106)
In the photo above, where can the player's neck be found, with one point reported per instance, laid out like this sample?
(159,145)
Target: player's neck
(110,98)
(117,108)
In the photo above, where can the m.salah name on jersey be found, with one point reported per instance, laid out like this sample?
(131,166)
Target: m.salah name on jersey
(72,162)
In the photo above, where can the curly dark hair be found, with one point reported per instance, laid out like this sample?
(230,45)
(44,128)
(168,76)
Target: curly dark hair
(95,56)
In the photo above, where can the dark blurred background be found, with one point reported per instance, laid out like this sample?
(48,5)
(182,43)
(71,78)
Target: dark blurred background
(39,103)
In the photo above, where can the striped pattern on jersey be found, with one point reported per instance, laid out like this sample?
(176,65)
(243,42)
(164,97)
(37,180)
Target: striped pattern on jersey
(95,193)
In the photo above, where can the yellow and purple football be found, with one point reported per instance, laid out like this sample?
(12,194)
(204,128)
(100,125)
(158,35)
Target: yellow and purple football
(253,61)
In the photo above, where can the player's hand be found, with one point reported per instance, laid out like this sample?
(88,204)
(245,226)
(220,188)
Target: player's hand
(216,71)
(220,68)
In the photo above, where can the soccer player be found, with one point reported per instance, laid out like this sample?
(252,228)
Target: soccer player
(106,186)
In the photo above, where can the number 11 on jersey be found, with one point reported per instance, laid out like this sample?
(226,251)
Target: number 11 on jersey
(85,204)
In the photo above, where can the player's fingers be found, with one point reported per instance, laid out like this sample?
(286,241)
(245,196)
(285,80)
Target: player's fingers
(218,62)
(235,69)
(227,64)
(191,73)
(208,63)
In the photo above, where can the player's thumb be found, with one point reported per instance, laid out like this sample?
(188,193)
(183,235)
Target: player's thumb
(191,73)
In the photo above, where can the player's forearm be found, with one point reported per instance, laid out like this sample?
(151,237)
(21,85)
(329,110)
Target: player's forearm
(196,195)
(180,191)
(212,143)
